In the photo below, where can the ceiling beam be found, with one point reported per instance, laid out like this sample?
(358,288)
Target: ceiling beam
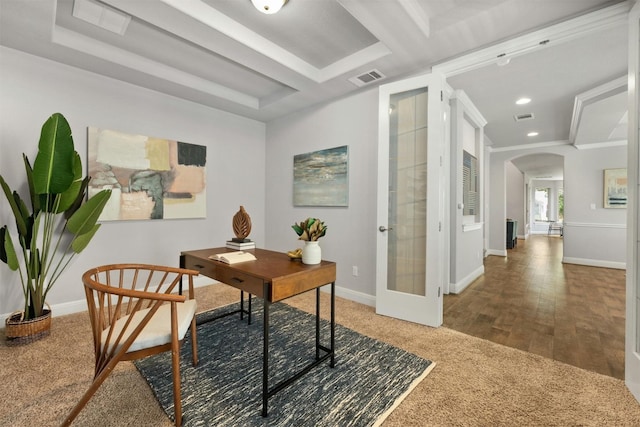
(571,29)
(591,96)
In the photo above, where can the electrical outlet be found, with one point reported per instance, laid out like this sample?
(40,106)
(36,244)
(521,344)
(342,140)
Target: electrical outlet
(354,270)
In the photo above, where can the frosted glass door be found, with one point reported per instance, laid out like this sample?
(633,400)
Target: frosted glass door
(407,235)
(409,184)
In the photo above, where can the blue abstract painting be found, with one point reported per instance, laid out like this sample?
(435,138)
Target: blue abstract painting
(321,178)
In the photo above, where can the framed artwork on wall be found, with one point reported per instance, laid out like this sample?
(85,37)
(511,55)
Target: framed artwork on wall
(615,188)
(150,178)
(321,178)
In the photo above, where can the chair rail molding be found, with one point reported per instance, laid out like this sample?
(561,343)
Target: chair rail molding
(594,225)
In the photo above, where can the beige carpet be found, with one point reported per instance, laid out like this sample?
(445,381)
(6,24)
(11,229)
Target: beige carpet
(475,382)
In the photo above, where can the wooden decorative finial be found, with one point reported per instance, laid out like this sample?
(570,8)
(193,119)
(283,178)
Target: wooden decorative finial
(241,224)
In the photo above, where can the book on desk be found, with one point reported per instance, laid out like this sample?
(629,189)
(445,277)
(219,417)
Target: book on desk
(233,257)
(240,245)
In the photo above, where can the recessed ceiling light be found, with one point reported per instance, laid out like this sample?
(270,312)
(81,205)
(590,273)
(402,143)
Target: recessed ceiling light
(532,134)
(523,101)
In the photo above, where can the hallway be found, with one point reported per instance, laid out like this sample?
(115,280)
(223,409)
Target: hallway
(531,301)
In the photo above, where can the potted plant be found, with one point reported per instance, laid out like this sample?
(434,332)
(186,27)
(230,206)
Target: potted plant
(310,230)
(56,225)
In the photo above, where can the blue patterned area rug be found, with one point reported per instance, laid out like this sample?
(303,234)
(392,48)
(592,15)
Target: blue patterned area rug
(225,389)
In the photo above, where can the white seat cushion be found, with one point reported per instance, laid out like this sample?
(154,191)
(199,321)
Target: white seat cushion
(158,330)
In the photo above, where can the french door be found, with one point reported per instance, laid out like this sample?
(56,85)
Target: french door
(410,187)
(632,335)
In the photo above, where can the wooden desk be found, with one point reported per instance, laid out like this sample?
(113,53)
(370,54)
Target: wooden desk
(272,277)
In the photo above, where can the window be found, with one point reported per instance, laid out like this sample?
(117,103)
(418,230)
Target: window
(541,204)
(469,184)
(560,205)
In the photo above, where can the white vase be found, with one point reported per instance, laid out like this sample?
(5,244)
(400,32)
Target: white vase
(311,253)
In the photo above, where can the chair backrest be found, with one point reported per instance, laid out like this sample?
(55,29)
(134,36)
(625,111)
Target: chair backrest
(122,299)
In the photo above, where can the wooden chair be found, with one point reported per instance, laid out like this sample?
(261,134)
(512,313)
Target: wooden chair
(134,313)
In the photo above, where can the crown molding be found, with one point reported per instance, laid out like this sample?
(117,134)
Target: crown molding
(553,35)
(591,96)
(529,146)
(470,109)
(604,144)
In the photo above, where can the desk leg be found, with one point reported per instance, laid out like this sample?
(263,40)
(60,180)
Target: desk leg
(181,266)
(317,323)
(333,324)
(241,305)
(265,351)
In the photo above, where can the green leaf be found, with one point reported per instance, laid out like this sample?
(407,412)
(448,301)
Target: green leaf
(79,198)
(297,229)
(84,219)
(7,250)
(68,198)
(35,201)
(20,220)
(53,168)
(80,242)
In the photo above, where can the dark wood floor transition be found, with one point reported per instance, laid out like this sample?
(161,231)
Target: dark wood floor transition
(531,301)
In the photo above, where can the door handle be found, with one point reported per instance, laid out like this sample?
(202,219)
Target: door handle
(382,228)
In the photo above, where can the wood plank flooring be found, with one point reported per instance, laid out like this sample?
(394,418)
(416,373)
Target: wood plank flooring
(531,301)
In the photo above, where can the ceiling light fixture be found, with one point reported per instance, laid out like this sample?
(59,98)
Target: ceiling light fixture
(269,6)
(503,60)
(532,134)
(523,101)
(505,57)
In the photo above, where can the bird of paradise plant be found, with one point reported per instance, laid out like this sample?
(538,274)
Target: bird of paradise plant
(57,210)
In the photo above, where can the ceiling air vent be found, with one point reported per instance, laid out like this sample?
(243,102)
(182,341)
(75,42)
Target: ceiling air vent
(366,78)
(525,116)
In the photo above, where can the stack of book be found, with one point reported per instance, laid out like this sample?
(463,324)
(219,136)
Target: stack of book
(231,244)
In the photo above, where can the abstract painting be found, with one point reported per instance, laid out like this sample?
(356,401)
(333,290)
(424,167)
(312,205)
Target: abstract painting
(321,178)
(150,178)
(615,188)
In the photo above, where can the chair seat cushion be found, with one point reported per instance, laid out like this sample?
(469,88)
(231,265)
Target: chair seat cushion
(158,330)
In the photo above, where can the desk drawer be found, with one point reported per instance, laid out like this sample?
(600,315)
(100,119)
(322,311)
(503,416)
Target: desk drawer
(239,280)
(224,274)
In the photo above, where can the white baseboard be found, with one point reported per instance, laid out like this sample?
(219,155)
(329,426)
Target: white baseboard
(496,252)
(72,307)
(355,296)
(81,305)
(595,263)
(456,288)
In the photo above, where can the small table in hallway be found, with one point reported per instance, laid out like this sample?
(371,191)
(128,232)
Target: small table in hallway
(273,276)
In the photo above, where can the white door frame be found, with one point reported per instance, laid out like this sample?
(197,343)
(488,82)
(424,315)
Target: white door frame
(632,330)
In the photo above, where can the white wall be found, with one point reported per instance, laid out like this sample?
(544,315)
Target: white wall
(31,89)
(467,232)
(351,234)
(591,236)
(515,197)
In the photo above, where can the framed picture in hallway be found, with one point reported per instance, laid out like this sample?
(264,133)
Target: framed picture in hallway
(615,188)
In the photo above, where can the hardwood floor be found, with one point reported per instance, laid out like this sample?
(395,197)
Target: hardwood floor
(531,301)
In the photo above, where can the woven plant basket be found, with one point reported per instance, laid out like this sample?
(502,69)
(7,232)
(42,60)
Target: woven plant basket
(19,331)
